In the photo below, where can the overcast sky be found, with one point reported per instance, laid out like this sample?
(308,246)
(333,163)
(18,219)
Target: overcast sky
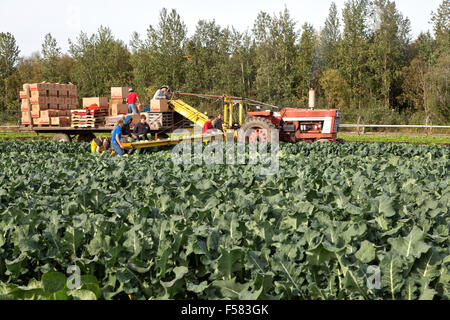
(30,21)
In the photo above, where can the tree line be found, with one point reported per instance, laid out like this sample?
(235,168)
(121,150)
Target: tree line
(362,61)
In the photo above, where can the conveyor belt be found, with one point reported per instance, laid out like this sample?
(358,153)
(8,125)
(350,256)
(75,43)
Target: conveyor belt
(189,112)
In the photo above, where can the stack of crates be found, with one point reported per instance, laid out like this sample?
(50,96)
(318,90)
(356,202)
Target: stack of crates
(48,104)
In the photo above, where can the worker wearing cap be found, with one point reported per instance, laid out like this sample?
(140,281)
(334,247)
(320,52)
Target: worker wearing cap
(162,93)
(126,130)
(100,144)
(131,100)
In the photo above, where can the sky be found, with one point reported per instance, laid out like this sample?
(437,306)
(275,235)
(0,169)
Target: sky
(29,21)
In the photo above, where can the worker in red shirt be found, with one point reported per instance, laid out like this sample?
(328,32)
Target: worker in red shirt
(131,100)
(208,127)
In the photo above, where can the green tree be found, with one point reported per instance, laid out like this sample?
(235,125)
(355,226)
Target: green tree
(441,27)
(336,90)
(307,63)
(9,54)
(165,43)
(388,51)
(9,87)
(205,51)
(51,55)
(329,39)
(353,53)
(276,56)
(437,93)
(99,62)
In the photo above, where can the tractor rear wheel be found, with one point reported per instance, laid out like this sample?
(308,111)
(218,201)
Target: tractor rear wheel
(62,137)
(256,130)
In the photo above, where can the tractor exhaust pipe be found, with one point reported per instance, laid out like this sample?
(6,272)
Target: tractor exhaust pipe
(312,99)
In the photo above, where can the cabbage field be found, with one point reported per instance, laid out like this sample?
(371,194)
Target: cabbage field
(337,221)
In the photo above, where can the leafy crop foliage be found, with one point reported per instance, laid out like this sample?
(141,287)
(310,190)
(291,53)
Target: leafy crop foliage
(141,226)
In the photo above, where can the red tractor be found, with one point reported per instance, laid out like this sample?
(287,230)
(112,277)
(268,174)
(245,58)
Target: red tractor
(288,124)
(293,125)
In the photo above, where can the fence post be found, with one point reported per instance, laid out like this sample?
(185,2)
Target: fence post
(357,125)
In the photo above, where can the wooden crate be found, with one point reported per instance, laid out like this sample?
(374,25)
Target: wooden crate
(159,120)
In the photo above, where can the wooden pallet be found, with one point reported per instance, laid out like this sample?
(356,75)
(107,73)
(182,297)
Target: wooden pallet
(87,117)
(83,125)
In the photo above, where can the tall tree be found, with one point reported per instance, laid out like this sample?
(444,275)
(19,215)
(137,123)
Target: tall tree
(306,62)
(206,52)
(100,62)
(9,54)
(441,27)
(388,52)
(51,54)
(353,53)
(165,42)
(276,55)
(329,39)
(9,57)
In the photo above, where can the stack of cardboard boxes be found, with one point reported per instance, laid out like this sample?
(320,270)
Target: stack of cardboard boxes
(93,114)
(48,103)
(118,104)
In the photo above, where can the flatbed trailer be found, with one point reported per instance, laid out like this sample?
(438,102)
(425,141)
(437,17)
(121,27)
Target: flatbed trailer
(68,133)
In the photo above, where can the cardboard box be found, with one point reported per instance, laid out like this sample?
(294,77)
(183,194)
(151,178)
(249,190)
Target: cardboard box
(49,113)
(117,109)
(64,93)
(60,121)
(39,100)
(36,110)
(159,105)
(40,93)
(26,105)
(61,100)
(117,101)
(26,117)
(99,101)
(43,121)
(119,92)
(38,86)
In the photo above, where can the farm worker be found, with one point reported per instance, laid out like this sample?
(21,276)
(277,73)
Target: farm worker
(142,129)
(131,100)
(218,122)
(208,127)
(126,130)
(162,93)
(100,144)
(117,138)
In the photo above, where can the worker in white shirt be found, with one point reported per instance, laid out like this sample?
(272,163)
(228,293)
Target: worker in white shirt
(162,93)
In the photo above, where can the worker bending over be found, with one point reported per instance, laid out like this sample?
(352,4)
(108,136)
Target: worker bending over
(116,142)
(142,129)
(162,93)
(126,130)
(131,100)
(208,127)
(100,144)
